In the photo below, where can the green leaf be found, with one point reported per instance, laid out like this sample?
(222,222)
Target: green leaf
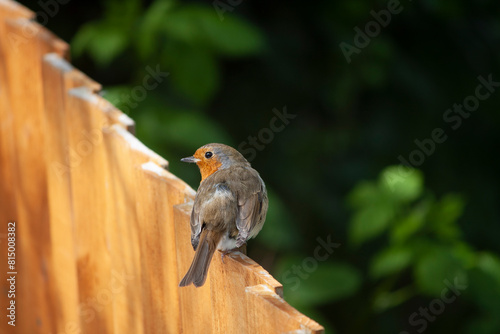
(483,290)
(435,268)
(489,263)
(199,25)
(466,255)
(390,261)
(232,37)
(408,225)
(183,25)
(115,94)
(102,42)
(387,299)
(82,38)
(365,192)
(106,38)
(306,284)
(485,282)
(400,185)
(445,214)
(370,222)
(151,25)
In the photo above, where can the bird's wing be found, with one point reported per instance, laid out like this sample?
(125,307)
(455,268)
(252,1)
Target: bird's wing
(195,224)
(252,206)
(215,207)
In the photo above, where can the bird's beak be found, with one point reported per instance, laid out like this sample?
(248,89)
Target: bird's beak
(190,159)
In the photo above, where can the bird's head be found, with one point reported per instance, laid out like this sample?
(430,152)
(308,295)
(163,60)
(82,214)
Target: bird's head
(212,157)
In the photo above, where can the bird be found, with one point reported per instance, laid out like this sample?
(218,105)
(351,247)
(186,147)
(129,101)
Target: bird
(229,208)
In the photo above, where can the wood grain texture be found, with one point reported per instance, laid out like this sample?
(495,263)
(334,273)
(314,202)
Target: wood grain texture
(103,235)
(22,51)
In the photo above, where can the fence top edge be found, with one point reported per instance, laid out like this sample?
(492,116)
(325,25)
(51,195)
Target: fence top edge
(15,9)
(306,324)
(136,145)
(34,31)
(154,168)
(58,62)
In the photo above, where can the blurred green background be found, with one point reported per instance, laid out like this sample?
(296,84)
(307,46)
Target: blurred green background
(361,243)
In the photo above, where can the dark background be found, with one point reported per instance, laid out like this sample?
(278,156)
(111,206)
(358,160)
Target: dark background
(404,236)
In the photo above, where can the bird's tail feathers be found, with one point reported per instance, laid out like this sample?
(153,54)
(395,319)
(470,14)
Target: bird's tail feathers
(197,273)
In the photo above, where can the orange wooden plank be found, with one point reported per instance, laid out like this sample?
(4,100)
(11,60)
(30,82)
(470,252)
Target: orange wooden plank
(232,277)
(194,303)
(91,215)
(62,238)
(123,232)
(22,65)
(13,9)
(269,313)
(8,209)
(160,292)
(141,153)
(7,148)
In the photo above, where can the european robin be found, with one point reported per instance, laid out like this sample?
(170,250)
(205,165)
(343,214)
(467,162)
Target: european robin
(229,208)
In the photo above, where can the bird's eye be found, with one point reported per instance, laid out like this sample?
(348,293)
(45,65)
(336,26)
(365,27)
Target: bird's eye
(208,155)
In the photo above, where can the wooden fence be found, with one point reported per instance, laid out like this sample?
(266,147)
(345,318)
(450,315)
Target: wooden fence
(101,227)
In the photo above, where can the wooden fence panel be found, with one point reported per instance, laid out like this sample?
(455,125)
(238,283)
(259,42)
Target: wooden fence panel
(103,236)
(64,274)
(193,301)
(158,245)
(22,51)
(123,233)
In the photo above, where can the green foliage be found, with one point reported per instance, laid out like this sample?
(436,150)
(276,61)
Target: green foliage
(189,39)
(435,266)
(377,203)
(391,261)
(421,238)
(104,40)
(104,43)
(329,282)
(400,188)
(282,234)
(197,25)
(484,289)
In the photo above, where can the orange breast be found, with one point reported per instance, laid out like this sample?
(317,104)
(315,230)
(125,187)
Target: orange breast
(207,169)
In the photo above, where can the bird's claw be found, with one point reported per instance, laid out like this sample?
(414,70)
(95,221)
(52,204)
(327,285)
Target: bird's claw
(224,253)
